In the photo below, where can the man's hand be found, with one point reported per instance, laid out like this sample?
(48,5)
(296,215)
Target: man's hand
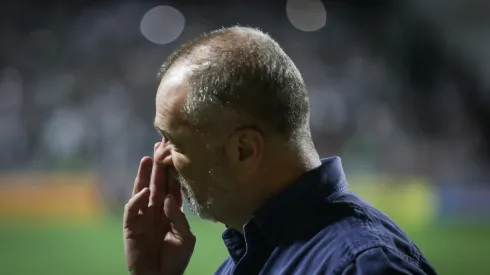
(157,236)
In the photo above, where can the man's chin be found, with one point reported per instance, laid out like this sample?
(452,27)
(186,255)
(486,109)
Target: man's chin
(208,218)
(204,214)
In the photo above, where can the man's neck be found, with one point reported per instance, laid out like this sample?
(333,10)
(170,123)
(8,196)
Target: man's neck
(278,176)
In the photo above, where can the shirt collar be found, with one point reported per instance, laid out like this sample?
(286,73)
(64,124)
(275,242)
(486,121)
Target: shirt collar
(293,209)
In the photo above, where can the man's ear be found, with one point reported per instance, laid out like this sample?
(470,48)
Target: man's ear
(245,148)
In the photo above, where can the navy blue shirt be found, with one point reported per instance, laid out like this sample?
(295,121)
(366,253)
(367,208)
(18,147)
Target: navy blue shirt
(317,226)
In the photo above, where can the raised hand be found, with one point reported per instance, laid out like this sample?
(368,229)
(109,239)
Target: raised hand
(157,235)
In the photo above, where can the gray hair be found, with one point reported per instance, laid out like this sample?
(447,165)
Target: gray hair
(241,77)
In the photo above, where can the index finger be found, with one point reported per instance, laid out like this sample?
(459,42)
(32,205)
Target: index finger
(158,182)
(143,177)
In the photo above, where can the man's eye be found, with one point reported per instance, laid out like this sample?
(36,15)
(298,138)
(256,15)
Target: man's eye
(170,142)
(165,139)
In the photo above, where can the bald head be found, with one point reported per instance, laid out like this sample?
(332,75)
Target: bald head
(243,75)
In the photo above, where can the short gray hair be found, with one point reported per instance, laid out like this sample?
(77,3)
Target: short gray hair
(243,71)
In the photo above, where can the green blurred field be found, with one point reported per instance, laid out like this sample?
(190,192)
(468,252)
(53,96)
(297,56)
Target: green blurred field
(60,249)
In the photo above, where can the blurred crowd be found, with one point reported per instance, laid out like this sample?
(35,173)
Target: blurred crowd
(397,87)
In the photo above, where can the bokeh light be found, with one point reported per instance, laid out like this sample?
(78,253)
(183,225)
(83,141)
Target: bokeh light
(162,24)
(306,15)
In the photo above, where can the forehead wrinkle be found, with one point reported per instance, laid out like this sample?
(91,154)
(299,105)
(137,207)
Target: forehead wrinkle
(171,97)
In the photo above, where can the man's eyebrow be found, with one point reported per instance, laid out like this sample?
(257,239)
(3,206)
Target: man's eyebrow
(161,130)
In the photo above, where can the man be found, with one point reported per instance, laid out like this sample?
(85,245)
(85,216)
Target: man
(233,112)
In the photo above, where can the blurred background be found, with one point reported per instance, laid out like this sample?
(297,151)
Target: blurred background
(400,90)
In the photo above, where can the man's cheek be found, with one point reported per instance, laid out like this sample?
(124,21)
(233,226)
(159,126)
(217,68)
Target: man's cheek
(180,162)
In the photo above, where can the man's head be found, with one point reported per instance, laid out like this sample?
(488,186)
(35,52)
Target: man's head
(232,105)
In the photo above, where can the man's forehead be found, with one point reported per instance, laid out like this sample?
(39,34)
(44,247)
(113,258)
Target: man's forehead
(171,96)
(173,86)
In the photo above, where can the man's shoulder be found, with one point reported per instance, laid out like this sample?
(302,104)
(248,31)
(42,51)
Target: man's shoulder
(360,227)
(357,223)
(340,230)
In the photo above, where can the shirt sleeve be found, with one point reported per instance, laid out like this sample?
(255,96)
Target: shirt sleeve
(382,261)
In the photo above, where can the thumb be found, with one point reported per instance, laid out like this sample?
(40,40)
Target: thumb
(178,221)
